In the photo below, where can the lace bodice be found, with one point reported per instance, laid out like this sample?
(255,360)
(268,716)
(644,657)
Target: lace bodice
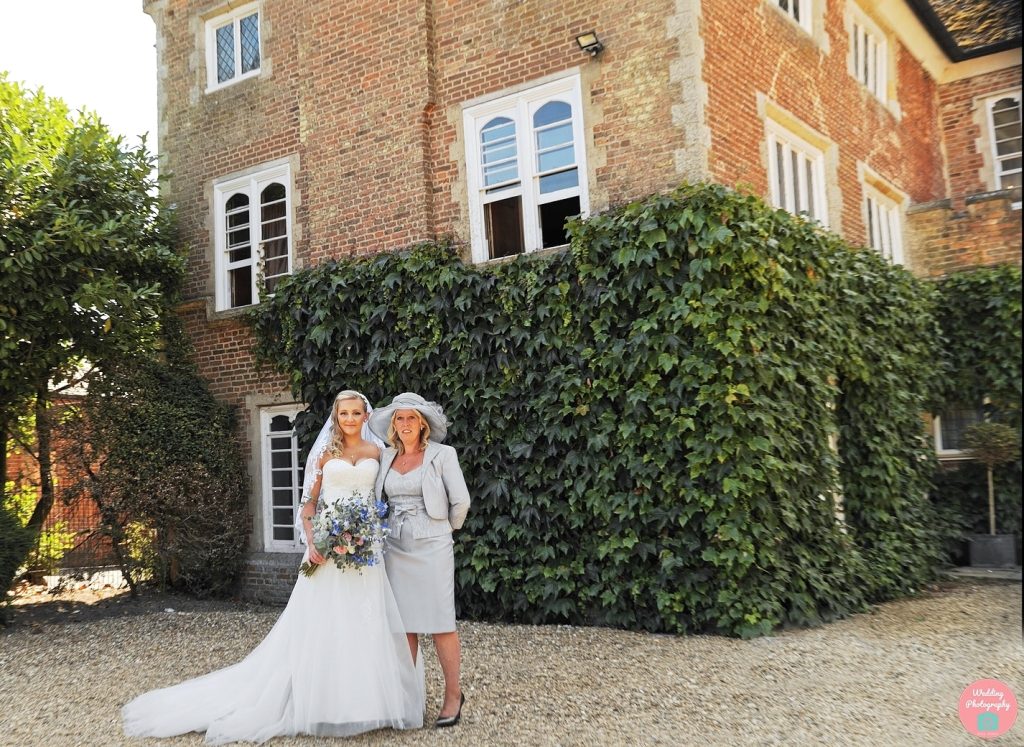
(343,479)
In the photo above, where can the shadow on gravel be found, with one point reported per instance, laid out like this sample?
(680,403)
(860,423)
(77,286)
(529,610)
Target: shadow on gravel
(37,609)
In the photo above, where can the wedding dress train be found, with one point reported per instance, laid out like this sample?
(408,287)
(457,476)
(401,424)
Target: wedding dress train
(336,662)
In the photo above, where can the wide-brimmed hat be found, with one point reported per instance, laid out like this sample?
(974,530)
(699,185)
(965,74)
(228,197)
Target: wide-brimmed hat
(380,419)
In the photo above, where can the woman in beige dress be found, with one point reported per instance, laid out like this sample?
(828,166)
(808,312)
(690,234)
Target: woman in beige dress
(422,481)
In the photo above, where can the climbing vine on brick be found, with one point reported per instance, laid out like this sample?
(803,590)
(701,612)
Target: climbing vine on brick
(659,424)
(979,311)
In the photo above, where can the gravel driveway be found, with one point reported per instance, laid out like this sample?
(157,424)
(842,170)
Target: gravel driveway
(889,677)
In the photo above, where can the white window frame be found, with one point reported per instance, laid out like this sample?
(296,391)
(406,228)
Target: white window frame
(869,54)
(776,135)
(940,451)
(997,174)
(520,107)
(883,222)
(251,184)
(266,497)
(234,18)
(797,11)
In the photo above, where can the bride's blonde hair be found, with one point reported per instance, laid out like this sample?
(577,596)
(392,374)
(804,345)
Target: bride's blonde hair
(337,446)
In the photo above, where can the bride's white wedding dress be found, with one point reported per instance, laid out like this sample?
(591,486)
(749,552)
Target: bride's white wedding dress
(336,662)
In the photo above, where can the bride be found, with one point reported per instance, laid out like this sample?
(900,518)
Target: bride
(336,662)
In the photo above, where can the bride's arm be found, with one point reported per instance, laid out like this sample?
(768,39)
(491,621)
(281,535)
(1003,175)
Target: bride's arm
(309,510)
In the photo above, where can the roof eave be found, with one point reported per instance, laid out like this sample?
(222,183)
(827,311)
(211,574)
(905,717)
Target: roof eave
(931,21)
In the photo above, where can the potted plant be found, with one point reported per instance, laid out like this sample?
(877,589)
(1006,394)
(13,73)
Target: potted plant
(992,444)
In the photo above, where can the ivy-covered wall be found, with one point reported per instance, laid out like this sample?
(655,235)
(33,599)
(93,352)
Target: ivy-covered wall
(658,425)
(979,312)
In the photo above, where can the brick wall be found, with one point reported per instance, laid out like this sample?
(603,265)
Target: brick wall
(73,512)
(483,48)
(366,103)
(964,122)
(754,50)
(985,230)
(974,224)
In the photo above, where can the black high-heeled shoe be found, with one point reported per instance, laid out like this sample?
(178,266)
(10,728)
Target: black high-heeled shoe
(444,721)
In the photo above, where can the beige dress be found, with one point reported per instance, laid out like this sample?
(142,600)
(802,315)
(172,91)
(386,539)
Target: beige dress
(418,557)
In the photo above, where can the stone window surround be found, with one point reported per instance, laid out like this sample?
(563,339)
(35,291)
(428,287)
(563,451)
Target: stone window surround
(985,143)
(286,168)
(253,410)
(777,119)
(885,192)
(232,11)
(812,20)
(856,15)
(943,453)
(795,138)
(568,84)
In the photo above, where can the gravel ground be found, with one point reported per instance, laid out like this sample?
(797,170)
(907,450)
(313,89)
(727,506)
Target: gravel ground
(889,677)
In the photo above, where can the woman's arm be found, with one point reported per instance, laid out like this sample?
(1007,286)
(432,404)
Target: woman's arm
(455,486)
(309,510)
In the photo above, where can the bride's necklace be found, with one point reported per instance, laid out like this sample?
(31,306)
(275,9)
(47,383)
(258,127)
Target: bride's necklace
(343,457)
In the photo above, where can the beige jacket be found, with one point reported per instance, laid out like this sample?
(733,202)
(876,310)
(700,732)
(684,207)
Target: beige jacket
(445,494)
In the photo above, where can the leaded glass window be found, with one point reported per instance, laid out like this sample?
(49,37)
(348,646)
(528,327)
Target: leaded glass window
(233,46)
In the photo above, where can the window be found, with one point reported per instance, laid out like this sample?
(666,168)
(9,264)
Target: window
(1005,134)
(282,476)
(949,427)
(796,172)
(253,238)
(883,223)
(797,10)
(526,169)
(232,47)
(869,55)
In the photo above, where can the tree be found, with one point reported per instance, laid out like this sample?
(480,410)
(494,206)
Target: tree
(87,263)
(992,444)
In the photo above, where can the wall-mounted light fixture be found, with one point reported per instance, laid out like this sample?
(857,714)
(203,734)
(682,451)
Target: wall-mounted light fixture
(590,43)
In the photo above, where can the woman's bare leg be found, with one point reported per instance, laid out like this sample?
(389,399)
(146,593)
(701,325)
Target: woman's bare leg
(414,643)
(449,653)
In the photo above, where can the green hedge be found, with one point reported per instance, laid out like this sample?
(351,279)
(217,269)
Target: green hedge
(645,420)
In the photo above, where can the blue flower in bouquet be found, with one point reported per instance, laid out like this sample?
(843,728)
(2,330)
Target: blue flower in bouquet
(381,507)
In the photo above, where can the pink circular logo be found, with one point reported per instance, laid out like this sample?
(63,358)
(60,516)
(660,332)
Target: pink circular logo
(987,708)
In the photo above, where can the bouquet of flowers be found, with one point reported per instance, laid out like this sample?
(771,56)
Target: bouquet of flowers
(350,532)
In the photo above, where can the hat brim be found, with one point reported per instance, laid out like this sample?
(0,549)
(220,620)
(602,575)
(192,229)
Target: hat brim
(380,420)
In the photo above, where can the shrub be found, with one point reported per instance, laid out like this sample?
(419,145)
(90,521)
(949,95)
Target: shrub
(49,546)
(960,496)
(170,483)
(15,541)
